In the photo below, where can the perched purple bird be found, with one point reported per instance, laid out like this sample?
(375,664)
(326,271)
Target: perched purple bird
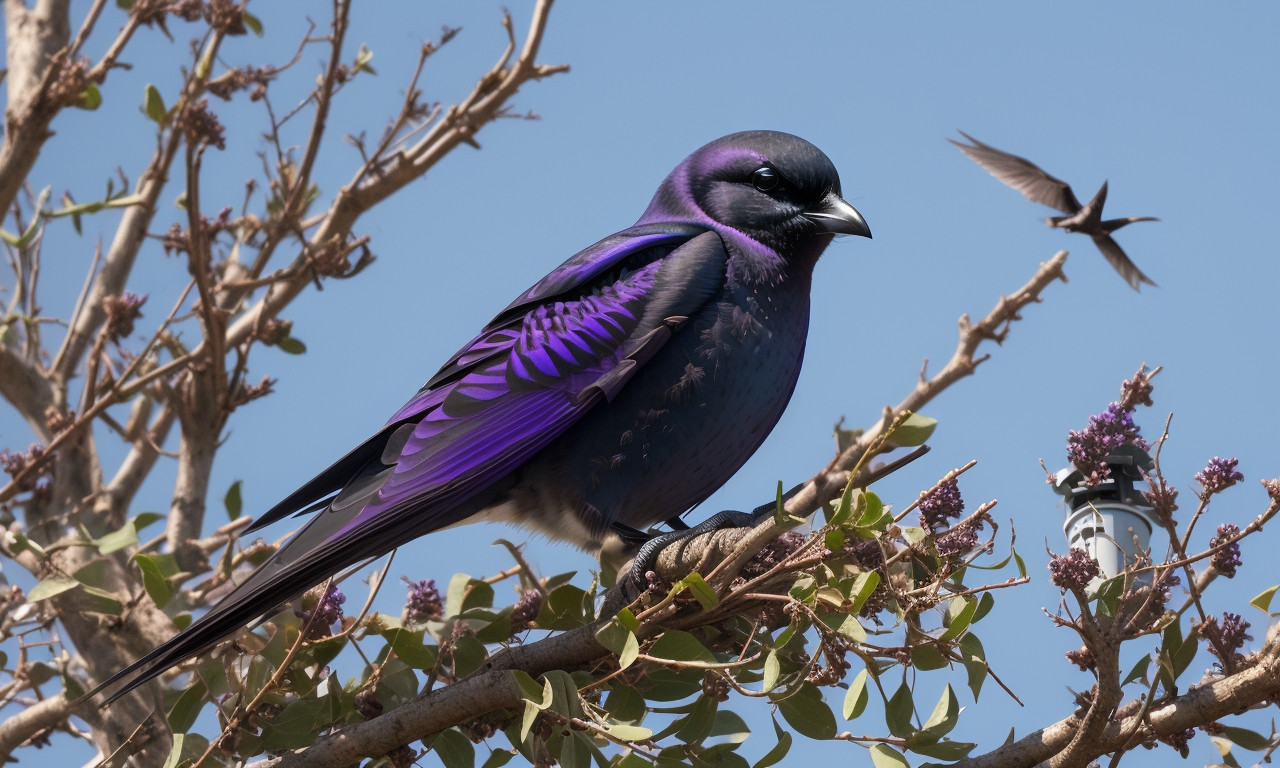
(619,391)
(1039,187)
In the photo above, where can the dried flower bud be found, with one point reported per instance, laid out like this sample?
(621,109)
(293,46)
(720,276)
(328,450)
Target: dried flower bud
(714,686)
(1226,560)
(1074,570)
(958,541)
(122,312)
(940,504)
(1136,391)
(202,126)
(1179,741)
(1082,658)
(367,704)
(226,17)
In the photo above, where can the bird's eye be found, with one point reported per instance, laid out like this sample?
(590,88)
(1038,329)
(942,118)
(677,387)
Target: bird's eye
(766,179)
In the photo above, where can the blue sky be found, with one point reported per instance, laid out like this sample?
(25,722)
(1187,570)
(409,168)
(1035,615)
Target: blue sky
(1174,104)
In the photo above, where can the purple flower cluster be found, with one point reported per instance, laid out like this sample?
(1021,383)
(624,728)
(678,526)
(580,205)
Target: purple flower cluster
(1234,632)
(526,610)
(327,611)
(423,602)
(15,463)
(1074,570)
(1107,431)
(958,540)
(940,504)
(1226,560)
(1218,476)
(1228,636)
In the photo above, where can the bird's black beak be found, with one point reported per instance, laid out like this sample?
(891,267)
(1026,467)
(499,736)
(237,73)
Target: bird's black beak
(835,215)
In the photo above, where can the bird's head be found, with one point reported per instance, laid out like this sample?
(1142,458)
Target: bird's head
(776,188)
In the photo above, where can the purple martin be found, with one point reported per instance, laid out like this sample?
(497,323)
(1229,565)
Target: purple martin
(619,391)
(1038,186)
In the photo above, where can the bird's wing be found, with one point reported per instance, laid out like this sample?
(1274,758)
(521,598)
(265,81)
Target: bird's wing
(1021,174)
(544,363)
(1121,261)
(577,276)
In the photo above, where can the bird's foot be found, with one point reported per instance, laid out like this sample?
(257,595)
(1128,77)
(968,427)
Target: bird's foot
(635,581)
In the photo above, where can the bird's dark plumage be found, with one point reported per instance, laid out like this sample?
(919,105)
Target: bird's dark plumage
(1040,187)
(623,388)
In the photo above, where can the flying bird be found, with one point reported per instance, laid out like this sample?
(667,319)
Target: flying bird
(1038,186)
(619,391)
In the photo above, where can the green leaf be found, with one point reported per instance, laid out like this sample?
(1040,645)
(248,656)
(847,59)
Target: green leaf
(1263,601)
(914,430)
(677,645)
(779,751)
(566,607)
(701,590)
(454,749)
(852,628)
(1139,671)
(175,752)
(574,752)
(233,502)
(808,714)
(153,104)
(884,756)
(182,715)
(122,538)
(898,712)
(1185,654)
(729,728)
(47,588)
(499,757)
(465,592)
(863,587)
(855,699)
(1245,738)
(1108,595)
(621,641)
(625,704)
(363,57)
(697,724)
(411,648)
(772,671)
(90,97)
(945,714)
(945,750)
(960,612)
(291,346)
(153,579)
(255,26)
(926,657)
(985,604)
(975,662)
(630,732)
(102,601)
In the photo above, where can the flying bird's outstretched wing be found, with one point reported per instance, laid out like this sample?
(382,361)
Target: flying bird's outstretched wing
(1117,258)
(1021,174)
(566,345)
